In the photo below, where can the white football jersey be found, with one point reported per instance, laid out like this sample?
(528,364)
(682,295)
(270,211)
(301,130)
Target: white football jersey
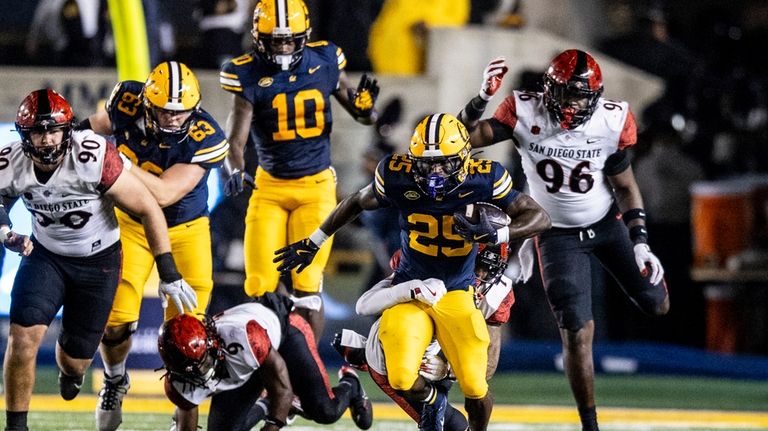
(565,167)
(240,360)
(70,214)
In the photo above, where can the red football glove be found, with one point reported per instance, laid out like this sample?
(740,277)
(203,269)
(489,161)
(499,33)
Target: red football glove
(492,76)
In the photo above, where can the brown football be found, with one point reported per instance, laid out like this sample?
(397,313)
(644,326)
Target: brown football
(496,215)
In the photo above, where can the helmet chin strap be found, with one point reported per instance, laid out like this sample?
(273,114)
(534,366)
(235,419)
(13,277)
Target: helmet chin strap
(284,60)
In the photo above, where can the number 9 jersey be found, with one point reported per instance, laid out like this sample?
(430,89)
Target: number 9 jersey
(292,109)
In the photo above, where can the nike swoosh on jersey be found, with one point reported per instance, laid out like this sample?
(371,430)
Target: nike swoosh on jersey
(465,194)
(593,140)
(313,69)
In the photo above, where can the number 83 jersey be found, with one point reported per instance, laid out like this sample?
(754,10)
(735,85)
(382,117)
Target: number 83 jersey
(291,122)
(431,247)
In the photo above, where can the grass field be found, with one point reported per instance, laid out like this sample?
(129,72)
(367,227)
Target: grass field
(524,402)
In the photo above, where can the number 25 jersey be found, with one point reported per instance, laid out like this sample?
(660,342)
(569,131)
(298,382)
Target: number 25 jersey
(431,247)
(291,121)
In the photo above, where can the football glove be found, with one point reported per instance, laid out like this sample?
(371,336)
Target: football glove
(180,292)
(434,368)
(236,183)
(297,255)
(365,97)
(646,260)
(492,77)
(430,291)
(482,231)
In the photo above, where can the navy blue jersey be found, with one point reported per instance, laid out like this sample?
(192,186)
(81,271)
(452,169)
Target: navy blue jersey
(431,248)
(292,121)
(205,145)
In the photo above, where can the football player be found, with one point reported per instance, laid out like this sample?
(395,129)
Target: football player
(282,103)
(573,145)
(208,359)
(493,295)
(70,181)
(435,179)
(171,145)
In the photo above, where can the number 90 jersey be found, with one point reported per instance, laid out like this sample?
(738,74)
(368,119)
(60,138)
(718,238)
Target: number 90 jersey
(565,167)
(70,215)
(205,145)
(291,121)
(431,247)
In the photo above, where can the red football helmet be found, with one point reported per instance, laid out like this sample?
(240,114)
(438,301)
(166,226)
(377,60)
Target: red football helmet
(573,84)
(189,348)
(41,111)
(490,264)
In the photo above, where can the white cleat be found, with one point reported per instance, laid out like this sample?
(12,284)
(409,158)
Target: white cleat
(109,410)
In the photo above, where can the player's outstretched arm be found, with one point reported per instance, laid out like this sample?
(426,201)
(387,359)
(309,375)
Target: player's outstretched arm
(130,194)
(301,253)
(528,218)
(173,184)
(360,102)
(274,374)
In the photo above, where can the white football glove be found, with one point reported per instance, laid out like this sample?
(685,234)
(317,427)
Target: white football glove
(180,292)
(643,258)
(429,291)
(492,76)
(434,368)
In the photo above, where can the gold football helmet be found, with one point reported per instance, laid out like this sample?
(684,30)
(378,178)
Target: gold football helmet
(440,153)
(276,25)
(171,86)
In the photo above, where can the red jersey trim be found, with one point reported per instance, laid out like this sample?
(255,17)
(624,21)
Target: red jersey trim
(259,341)
(112,168)
(629,132)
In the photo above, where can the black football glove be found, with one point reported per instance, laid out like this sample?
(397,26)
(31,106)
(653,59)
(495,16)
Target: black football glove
(482,231)
(365,97)
(236,183)
(297,255)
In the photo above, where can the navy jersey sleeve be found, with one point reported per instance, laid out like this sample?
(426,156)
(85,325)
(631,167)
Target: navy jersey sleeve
(379,184)
(503,193)
(208,140)
(124,104)
(238,74)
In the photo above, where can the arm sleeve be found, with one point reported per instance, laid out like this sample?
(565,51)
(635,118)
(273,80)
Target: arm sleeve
(383,296)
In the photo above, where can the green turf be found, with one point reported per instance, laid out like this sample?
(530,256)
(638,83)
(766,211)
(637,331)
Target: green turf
(552,389)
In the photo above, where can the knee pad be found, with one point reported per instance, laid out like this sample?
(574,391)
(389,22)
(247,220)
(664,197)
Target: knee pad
(401,381)
(126,334)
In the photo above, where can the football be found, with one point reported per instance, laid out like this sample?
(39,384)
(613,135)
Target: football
(496,215)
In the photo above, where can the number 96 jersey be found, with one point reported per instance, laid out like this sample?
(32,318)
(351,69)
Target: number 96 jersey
(431,247)
(291,109)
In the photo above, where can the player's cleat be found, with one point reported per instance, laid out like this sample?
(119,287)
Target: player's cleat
(109,410)
(69,386)
(360,406)
(433,414)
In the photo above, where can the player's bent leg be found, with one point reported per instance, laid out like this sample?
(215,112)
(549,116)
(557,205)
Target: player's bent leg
(19,365)
(405,332)
(115,346)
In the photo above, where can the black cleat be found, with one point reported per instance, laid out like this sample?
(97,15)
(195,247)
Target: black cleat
(69,386)
(360,406)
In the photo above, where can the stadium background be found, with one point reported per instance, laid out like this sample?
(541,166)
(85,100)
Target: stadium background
(723,336)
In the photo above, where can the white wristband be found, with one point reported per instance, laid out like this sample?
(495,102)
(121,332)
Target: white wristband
(502,235)
(484,96)
(4,231)
(318,237)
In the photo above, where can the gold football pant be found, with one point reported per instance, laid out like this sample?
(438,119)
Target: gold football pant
(407,329)
(281,212)
(191,248)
